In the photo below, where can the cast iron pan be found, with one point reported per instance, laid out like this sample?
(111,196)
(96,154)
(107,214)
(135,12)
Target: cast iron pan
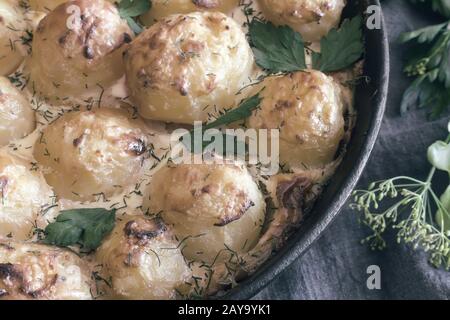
(370,103)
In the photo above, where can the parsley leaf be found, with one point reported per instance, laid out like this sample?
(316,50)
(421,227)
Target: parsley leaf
(243,111)
(341,47)
(277,49)
(130,9)
(86,227)
(430,65)
(440,6)
(425,93)
(424,35)
(281,49)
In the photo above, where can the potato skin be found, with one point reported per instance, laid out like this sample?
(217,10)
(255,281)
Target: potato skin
(143,260)
(312,18)
(308,109)
(12,27)
(38,272)
(24,196)
(210,206)
(164,8)
(17,119)
(183,66)
(45,5)
(92,152)
(48,5)
(71,62)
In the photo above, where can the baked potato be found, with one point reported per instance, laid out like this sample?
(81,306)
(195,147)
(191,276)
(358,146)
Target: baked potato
(75,55)
(38,272)
(49,5)
(12,28)
(308,109)
(45,5)
(312,18)
(17,119)
(214,209)
(143,260)
(24,197)
(92,152)
(187,66)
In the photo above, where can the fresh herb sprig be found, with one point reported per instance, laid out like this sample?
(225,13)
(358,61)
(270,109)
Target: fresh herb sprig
(130,9)
(440,6)
(420,217)
(277,49)
(281,49)
(341,47)
(84,227)
(242,112)
(431,68)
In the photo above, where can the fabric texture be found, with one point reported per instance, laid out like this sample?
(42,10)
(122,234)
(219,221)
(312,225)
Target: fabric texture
(335,267)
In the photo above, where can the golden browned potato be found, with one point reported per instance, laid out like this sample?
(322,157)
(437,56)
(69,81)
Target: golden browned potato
(182,67)
(143,260)
(308,109)
(17,119)
(77,52)
(24,197)
(214,208)
(12,28)
(92,152)
(312,18)
(39,272)
(45,5)
(163,8)
(49,5)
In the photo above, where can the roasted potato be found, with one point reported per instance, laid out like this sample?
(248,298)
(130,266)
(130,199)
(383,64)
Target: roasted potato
(76,53)
(49,5)
(143,260)
(24,197)
(38,272)
(92,152)
(308,109)
(45,5)
(12,29)
(17,119)
(163,8)
(312,18)
(214,209)
(187,66)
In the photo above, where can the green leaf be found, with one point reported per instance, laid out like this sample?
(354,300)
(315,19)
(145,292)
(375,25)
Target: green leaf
(443,215)
(130,9)
(86,227)
(136,27)
(424,35)
(423,93)
(439,155)
(440,6)
(133,8)
(242,112)
(277,49)
(341,47)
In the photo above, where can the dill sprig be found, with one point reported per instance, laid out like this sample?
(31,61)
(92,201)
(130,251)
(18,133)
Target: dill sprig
(414,210)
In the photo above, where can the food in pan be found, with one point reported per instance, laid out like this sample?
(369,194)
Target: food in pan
(101,196)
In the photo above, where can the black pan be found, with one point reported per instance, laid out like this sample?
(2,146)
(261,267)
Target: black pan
(370,102)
